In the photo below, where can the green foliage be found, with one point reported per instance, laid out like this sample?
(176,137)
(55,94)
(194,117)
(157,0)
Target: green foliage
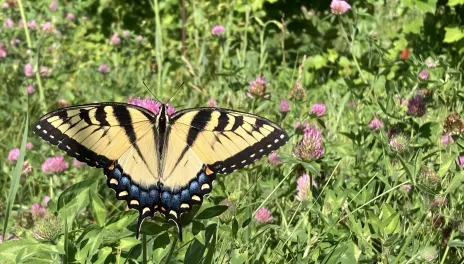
(388,194)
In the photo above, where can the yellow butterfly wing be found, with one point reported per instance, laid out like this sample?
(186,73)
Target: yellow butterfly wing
(120,138)
(205,141)
(227,140)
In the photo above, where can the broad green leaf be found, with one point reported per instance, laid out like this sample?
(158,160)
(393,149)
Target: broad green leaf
(122,220)
(445,166)
(103,253)
(238,257)
(414,26)
(211,212)
(194,252)
(128,242)
(160,246)
(455,183)
(456,243)
(392,224)
(210,238)
(316,62)
(70,194)
(98,209)
(379,84)
(455,2)
(90,245)
(453,34)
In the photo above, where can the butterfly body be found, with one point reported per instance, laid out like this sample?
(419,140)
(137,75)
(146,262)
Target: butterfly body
(157,161)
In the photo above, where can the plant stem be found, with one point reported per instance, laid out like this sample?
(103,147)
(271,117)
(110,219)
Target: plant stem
(351,50)
(171,250)
(447,249)
(144,249)
(158,47)
(29,46)
(408,240)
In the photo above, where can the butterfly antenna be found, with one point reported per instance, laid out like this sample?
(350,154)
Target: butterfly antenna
(175,93)
(150,91)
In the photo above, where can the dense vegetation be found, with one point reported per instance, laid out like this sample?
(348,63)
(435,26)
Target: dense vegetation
(370,94)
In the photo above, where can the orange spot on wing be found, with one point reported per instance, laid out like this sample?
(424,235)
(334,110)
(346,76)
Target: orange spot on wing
(208,171)
(111,167)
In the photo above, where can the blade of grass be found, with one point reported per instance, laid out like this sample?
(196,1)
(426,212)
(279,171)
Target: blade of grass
(29,46)
(16,176)
(158,46)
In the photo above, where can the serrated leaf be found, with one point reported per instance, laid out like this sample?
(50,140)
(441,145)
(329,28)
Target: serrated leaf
(453,34)
(211,212)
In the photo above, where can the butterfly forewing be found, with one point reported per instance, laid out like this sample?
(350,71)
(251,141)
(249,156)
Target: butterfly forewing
(97,134)
(227,140)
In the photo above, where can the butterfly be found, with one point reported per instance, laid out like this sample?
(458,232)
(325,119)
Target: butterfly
(160,162)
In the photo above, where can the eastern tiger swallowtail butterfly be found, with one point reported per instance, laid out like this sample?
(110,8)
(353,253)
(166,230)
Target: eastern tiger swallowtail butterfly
(158,162)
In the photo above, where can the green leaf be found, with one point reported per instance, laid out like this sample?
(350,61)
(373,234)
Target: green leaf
(238,257)
(70,194)
(445,166)
(316,62)
(197,227)
(212,212)
(246,222)
(234,228)
(455,2)
(456,243)
(414,26)
(453,34)
(379,84)
(392,224)
(160,245)
(16,176)
(98,209)
(91,242)
(103,253)
(455,183)
(122,220)
(260,22)
(194,252)
(210,238)
(128,242)
(149,227)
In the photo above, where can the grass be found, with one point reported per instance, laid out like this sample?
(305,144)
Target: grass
(390,194)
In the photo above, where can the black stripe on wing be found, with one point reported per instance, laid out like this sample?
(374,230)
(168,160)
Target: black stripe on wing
(276,139)
(50,133)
